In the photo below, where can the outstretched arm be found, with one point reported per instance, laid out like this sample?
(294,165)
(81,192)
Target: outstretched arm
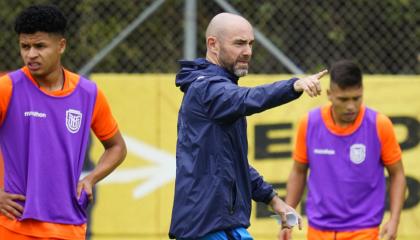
(225,101)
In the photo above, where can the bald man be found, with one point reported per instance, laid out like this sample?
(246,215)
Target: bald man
(214,182)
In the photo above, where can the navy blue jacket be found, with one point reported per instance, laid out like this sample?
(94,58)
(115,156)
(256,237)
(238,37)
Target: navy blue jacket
(214,183)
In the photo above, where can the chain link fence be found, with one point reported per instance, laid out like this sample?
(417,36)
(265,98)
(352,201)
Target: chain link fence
(382,35)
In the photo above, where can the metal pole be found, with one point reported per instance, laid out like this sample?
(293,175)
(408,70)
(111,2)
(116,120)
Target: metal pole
(87,68)
(265,42)
(190,29)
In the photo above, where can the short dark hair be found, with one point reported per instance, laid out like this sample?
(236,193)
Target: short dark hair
(346,73)
(41,18)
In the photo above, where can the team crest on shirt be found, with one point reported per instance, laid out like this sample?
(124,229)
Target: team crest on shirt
(357,153)
(73,120)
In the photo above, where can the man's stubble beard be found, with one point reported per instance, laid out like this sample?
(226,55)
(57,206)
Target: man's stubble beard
(240,72)
(231,67)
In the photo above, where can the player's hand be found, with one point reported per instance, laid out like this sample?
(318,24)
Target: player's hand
(8,206)
(389,230)
(86,184)
(310,84)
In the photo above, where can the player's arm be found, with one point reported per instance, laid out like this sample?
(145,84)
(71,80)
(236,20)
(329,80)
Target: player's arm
(295,187)
(296,183)
(297,177)
(105,128)
(391,157)
(397,185)
(114,154)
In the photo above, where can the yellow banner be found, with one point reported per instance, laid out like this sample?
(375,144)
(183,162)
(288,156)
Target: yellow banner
(135,202)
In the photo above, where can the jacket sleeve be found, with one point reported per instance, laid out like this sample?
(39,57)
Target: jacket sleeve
(261,191)
(226,101)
